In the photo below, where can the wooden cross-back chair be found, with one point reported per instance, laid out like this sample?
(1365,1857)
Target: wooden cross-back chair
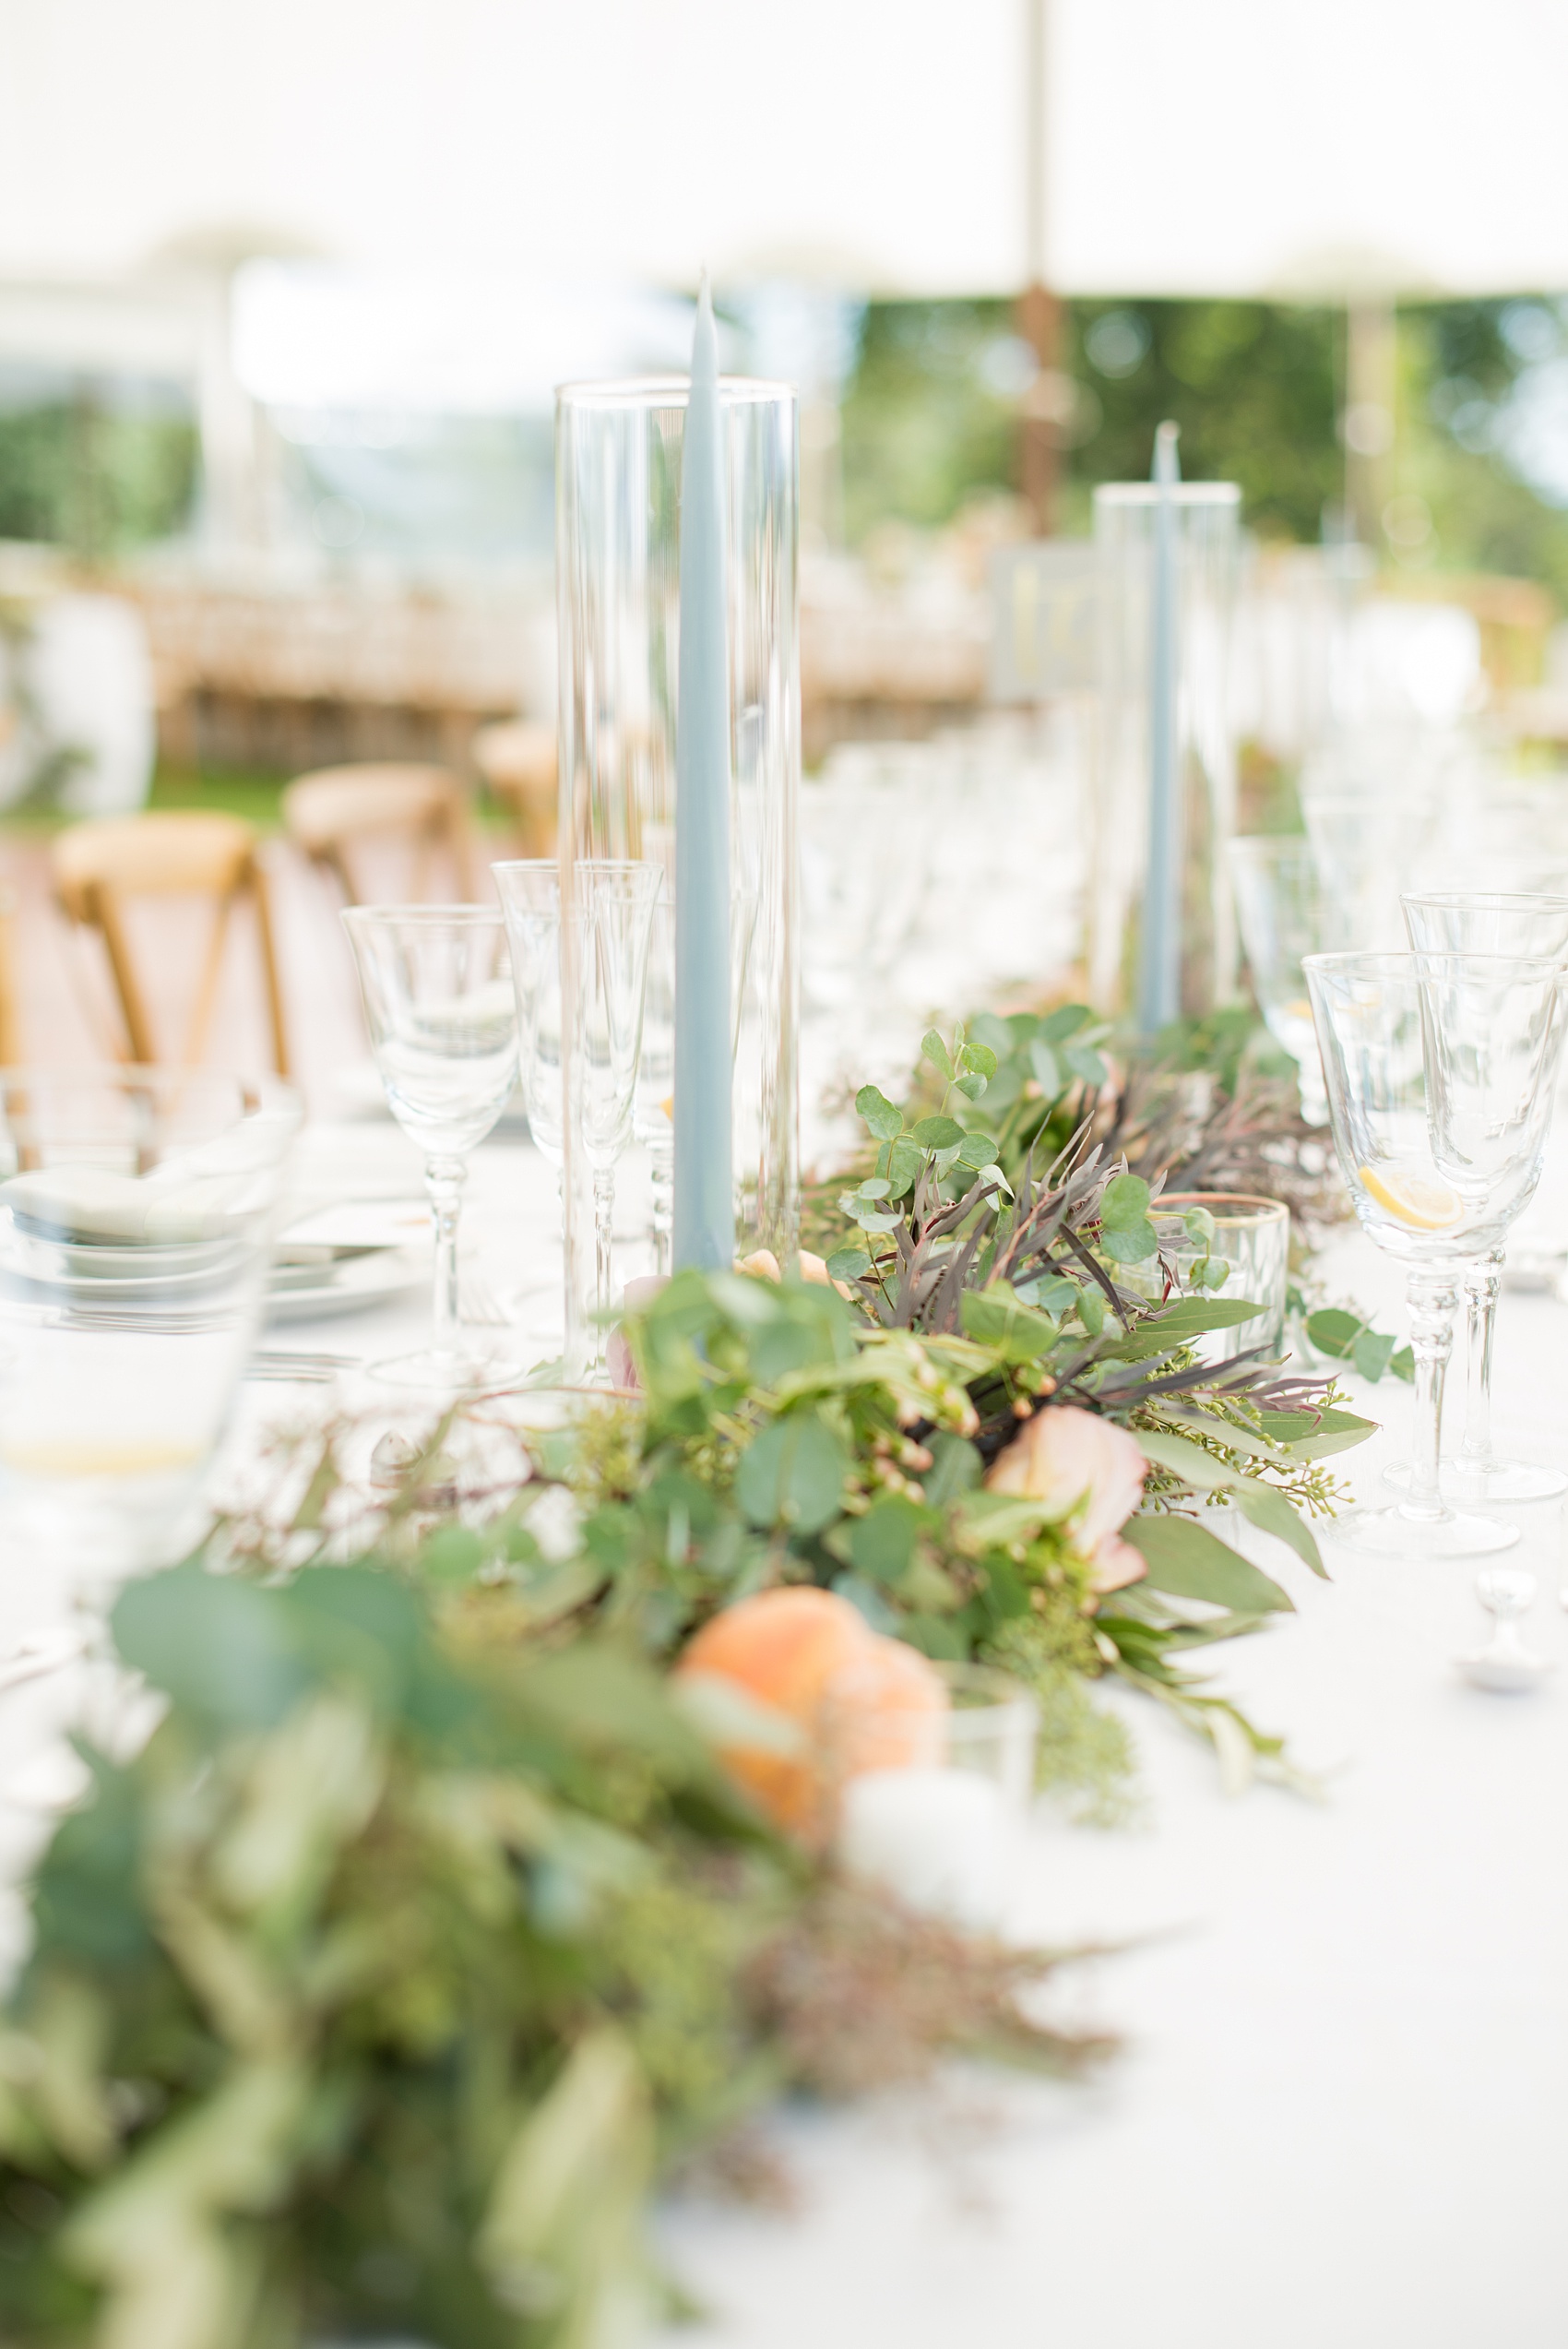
(327,812)
(173,853)
(517,760)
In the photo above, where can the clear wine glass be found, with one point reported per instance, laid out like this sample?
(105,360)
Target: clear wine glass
(1486,921)
(443,1023)
(1280,910)
(1439,1071)
(1365,844)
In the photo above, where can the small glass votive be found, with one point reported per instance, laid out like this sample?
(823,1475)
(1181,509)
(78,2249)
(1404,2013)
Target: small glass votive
(137,1211)
(1251,1237)
(934,1769)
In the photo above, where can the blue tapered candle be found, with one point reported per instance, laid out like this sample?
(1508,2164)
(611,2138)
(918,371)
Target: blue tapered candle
(1160,966)
(703,1220)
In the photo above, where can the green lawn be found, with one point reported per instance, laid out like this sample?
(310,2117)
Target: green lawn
(240,793)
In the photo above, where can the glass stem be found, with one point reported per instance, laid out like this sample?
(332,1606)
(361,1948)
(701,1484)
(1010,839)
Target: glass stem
(661,1152)
(1481,1284)
(1432,1301)
(443,1180)
(1310,1086)
(604,1279)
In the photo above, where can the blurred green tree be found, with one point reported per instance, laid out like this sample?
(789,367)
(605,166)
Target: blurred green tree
(1253,386)
(95,476)
(928,415)
(931,413)
(1471,378)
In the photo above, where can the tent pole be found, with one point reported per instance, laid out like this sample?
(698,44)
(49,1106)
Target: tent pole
(1037,312)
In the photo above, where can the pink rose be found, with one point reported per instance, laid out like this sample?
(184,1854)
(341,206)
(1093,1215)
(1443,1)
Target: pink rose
(1084,1468)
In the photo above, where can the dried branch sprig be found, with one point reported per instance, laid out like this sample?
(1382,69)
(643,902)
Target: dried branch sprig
(863,1995)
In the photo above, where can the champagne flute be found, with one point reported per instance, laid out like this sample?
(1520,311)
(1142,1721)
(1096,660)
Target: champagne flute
(652,1117)
(1488,921)
(443,1024)
(611,921)
(529,890)
(1439,1071)
(615,918)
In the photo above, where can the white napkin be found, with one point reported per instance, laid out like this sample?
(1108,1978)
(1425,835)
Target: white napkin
(91,1203)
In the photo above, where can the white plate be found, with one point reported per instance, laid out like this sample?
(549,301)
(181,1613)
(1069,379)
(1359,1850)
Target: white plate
(358,1223)
(353,1286)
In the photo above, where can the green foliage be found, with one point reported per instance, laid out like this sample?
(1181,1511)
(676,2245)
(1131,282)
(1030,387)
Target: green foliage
(373,1995)
(358,1925)
(97,480)
(1345,1337)
(1085,1756)
(376,1991)
(1465,371)
(930,414)
(930,417)
(1253,386)
(1185,1560)
(922,427)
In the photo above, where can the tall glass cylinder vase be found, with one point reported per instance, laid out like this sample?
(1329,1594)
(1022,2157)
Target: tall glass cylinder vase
(1191,643)
(618,460)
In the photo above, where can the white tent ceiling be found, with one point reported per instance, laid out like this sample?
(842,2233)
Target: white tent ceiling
(1214,146)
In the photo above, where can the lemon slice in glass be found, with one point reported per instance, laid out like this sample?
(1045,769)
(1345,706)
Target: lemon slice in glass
(1411,1199)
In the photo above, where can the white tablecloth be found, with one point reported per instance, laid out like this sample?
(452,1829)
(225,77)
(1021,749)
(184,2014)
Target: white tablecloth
(1343,2114)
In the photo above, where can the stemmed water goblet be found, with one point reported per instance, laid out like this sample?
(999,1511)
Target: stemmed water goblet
(1439,1071)
(1488,921)
(1281,910)
(443,1024)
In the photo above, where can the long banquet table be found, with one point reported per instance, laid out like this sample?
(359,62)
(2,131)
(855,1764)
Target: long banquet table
(1342,2113)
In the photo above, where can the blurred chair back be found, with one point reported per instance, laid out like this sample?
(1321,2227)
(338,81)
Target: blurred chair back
(330,812)
(98,866)
(517,761)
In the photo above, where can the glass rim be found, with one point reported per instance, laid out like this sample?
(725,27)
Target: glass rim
(1486,900)
(1258,1208)
(450,917)
(577,864)
(1415,964)
(625,395)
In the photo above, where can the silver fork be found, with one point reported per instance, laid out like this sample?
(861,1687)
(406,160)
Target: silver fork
(479,1305)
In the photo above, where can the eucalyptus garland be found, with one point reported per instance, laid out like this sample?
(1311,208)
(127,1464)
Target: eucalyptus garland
(428,1932)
